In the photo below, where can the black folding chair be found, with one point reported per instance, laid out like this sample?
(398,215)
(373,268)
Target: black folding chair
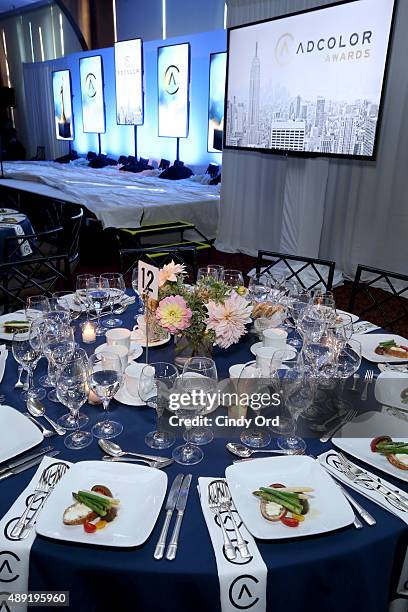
(159,256)
(322,269)
(385,305)
(30,276)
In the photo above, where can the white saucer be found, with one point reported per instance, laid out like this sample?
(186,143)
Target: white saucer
(254,348)
(141,340)
(135,351)
(124,397)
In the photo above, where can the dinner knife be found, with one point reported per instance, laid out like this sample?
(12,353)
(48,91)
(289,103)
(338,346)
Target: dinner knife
(170,505)
(26,466)
(180,507)
(24,459)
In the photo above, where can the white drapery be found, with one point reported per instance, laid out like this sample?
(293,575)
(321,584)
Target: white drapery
(349,211)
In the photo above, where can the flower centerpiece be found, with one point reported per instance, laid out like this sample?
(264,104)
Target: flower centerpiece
(201,316)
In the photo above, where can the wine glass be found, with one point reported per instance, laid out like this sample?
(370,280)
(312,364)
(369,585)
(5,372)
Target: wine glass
(36,307)
(214,271)
(64,301)
(319,358)
(72,391)
(282,359)
(117,289)
(253,384)
(343,329)
(105,378)
(349,359)
(325,306)
(203,376)
(296,309)
(58,345)
(188,453)
(81,292)
(310,325)
(98,295)
(259,288)
(27,354)
(135,287)
(71,420)
(156,383)
(233,278)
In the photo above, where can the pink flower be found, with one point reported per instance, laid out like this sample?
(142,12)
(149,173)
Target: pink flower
(173,314)
(168,273)
(228,320)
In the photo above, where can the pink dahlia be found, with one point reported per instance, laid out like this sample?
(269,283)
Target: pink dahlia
(173,314)
(228,320)
(168,273)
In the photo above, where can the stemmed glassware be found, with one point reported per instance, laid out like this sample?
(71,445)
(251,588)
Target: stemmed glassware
(349,359)
(259,288)
(215,272)
(58,345)
(157,381)
(98,295)
(36,307)
(64,301)
(105,377)
(253,384)
(296,308)
(27,352)
(81,292)
(203,378)
(233,278)
(319,358)
(71,420)
(72,391)
(117,289)
(135,287)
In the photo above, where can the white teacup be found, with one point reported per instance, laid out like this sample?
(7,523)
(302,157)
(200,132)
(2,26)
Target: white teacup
(236,370)
(275,337)
(132,377)
(119,336)
(116,349)
(264,356)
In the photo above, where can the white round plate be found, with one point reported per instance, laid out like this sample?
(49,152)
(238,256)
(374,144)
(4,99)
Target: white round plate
(340,313)
(124,397)
(141,340)
(254,348)
(11,316)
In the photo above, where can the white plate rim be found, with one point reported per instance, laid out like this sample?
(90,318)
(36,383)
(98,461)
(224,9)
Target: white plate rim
(36,440)
(369,355)
(287,347)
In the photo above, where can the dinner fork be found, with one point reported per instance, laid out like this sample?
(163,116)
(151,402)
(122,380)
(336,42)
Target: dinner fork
(356,474)
(368,378)
(225,500)
(214,505)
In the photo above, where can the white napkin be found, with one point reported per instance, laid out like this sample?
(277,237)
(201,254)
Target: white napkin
(3,359)
(242,581)
(364,327)
(15,554)
(331,462)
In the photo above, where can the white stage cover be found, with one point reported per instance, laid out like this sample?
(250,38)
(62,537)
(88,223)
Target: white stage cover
(121,199)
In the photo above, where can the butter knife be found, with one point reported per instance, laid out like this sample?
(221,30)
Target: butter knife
(170,505)
(180,507)
(24,459)
(26,466)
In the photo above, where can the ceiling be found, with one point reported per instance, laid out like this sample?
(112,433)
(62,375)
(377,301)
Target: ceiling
(11,5)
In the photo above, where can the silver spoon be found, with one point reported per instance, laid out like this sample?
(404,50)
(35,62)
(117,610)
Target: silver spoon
(114,450)
(243,451)
(37,409)
(47,433)
(155,464)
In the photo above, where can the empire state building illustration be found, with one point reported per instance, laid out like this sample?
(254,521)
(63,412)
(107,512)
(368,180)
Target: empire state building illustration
(254,87)
(64,125)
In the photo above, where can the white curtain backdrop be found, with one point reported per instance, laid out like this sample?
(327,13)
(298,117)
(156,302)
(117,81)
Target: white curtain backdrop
(349,211)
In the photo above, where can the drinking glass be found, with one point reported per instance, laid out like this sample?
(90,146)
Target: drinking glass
(282,359)
(58,345)
(310,325)
(319,358)
(64,300)
(135,287)
(117,289)
(253,384)
(36,307)
(203,376)
(71,420)
(72,391)
(156,383)
(188,453)
(325,306)
(343,329)
(105,377)
(349,359)
(98,295)
(27,354)
(259,288)
(214,271)
(81,292)
(296,308)
(233,278)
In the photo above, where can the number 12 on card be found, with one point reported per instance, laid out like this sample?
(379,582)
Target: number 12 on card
(148,280)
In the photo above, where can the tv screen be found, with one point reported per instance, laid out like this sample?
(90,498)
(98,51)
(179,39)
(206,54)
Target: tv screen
(218,65)
(93,111)
(310,83)
(173,65)
(61,87)
(129,82)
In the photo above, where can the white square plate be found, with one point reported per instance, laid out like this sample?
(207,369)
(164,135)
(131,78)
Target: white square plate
(17,433)
(370,425)
(141,492)
(329,509)
(369,343)
(388,388)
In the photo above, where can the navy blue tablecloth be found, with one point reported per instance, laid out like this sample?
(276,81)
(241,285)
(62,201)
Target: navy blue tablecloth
(6,231)
(348,570)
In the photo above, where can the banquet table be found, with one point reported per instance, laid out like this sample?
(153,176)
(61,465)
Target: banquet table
(8,228)
(348,570)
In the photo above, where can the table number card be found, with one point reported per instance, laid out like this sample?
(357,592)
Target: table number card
(148,280)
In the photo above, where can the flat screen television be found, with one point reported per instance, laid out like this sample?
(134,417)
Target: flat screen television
(310,83)
(216,100)
(61,88)
(173,78)
(129,82)
(93,104)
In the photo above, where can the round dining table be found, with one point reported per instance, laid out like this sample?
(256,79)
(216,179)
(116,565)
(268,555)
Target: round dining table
(348,570)
(14,224)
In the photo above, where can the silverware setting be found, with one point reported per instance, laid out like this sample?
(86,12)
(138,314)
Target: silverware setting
(26,458)
(47,433)
(164,462)
(170,505)
(243,451)
(176,500)
(225,501)
(215,507)
(180,507)
(403,368)
(37,409)
(329,434)
(368,378)
(26,466)
(356,379)
(114,450)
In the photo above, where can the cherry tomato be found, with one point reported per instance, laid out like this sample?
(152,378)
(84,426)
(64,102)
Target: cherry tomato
(89,527)
(290,522)
(277,485)
(376,441)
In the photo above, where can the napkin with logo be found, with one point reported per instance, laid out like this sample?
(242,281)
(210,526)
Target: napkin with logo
(3,359)
(15,554)
(242,581)
(373,487)
(24,248)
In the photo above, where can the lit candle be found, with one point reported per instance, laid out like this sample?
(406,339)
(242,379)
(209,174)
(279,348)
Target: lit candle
(88,332)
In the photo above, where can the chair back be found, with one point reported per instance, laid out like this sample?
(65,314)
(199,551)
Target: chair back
(310,274)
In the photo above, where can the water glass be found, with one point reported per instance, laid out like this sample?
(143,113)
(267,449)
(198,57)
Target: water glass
(98,296)
(253,384)
(214,272)
(71,420)
(202,376)
(36,307)
(117,289)
(233,278)
(105,376)
(27,352)
(259,288)
(135,287)
(81,292)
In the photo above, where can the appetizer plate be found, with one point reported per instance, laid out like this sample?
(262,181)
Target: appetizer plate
(370,425)
(124,397)
(287,347)
(141,492)
(340,313)
(390,389)
(17,433)
(139,337)
(369,343)
(11,316)
(329,509)
(12,218)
